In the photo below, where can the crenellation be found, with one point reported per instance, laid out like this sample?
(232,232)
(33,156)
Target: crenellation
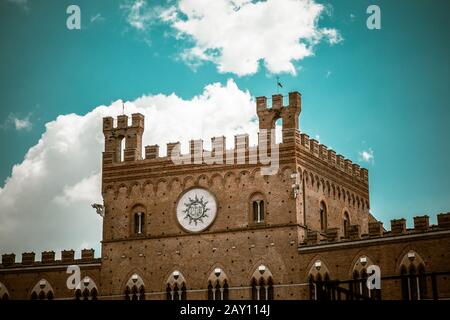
(305,141)
(277,101)
(196,151)
(364,174)
(333,234)
(28,258)
(354,232)
(152,152)
(312,237)
(67,255)
(340,162)
(314,147)
(332,157)
(48,257)
(443,220)
(398,226)
(348,166)
(356,169)
(421,223)
(323,152)
(173,149)
(87,254)
(375,229)
(122,121)
(8,259)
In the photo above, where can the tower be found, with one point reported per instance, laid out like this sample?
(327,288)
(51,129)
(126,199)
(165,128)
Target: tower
(114,137)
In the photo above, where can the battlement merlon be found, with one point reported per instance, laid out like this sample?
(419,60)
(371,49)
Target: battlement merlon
(289,114)
(48,257)
(398,228)
(115,135)
(329,156)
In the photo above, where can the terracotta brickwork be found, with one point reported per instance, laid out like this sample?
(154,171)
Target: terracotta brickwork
(316,208)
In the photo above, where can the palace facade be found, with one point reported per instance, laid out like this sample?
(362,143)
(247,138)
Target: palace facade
(288,220)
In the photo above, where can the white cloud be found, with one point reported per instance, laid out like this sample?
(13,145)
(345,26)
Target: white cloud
(17,123)
(367,156)
(239,34)
(22,124)
(139,14)
(45,203)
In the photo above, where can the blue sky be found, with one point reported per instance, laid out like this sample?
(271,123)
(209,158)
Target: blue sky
(381,91)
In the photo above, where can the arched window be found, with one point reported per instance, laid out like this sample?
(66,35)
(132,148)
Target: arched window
(217,285)
(262,284)
(135,288)
(258,208)
(225,290)
(176,287)
(359,284)
(323,216)
(318,281)
(86,289)
(42,291)
(4,294)
(139,223)
(413,277)
(346,223)
(210,291)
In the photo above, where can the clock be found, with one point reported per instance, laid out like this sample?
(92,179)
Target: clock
(196,210)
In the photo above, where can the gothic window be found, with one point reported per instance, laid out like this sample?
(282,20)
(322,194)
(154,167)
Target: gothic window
(258,208)
(323,216)
(346,224)
(4,294)
(42,291)
(217,285)
(318,281)
(176,287)
(139,223)
(413,277)
(86,290)
(135,288)
(262,284)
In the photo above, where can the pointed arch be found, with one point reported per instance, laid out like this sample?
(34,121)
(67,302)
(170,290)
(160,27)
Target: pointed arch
(217,285)
(176,286)
(86,289)
(135,288)
(42,290)
(318,276)
(413,278)
(262,284)
(4,293)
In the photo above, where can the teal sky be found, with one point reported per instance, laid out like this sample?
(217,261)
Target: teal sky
(385,90)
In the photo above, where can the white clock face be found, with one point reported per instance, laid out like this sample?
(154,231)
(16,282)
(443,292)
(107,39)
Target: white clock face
(196,210)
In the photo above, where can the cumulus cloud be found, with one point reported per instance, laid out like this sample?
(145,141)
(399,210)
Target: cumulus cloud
(367,156)
(139,14)
(238,35)
(45,203)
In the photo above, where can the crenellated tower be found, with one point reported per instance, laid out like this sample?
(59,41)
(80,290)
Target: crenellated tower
(114,136)
(289,114)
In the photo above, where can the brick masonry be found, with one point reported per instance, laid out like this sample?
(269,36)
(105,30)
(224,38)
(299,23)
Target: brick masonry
(288,243)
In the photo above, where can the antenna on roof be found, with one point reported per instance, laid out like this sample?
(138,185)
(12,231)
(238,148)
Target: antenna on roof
(123,108)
